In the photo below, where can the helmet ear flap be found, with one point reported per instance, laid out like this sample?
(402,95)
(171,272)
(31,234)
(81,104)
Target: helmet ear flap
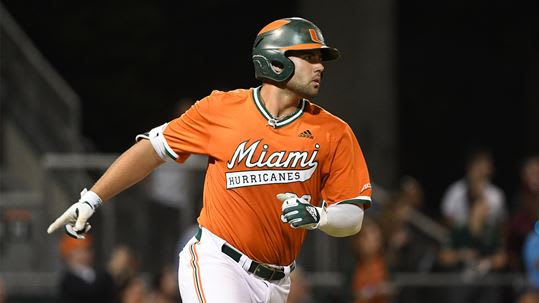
(287,71)
(262,66)
(264,69)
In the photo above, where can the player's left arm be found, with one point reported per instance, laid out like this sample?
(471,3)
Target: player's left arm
(342,220)
(338,220)
(347,188)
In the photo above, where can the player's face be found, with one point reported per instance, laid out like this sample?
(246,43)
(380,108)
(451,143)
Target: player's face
(307,74)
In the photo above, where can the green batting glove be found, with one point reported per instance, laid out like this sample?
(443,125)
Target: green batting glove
(299,213)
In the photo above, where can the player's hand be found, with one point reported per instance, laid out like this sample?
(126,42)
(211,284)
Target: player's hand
(75,218)
(299,213)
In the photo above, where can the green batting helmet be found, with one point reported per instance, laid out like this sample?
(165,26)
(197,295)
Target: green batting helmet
(277,38)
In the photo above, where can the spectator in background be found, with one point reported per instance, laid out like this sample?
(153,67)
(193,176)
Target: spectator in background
(456,200)
(123,266)
(475,249)
(176,191)
(81,283)
(408,250)
(531,258)
(165,286)
(300,291)
(528,192)
(411,192)
(170,186)
(135,291)
(525,212)
(370,277)
(531,296)
(412,238)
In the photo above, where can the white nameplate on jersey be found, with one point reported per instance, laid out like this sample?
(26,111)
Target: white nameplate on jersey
(294,166)
(261,177)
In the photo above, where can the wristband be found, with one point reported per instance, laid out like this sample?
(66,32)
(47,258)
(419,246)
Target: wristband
(91,198)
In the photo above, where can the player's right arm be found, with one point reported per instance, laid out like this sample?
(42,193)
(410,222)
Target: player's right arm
(173,141)
(130,168)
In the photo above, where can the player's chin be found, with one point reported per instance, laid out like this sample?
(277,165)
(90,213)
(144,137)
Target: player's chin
(307,91)
(312,90)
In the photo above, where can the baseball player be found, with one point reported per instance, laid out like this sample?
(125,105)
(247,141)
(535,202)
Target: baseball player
(279,165)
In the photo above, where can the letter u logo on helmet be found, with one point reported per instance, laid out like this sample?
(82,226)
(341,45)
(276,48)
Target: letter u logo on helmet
(283,35)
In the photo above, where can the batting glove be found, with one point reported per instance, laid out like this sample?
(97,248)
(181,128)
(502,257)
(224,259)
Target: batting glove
(75,218)
(299,213)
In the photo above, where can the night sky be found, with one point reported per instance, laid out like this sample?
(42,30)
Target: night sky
(467,71)
(131,63)
(468,76)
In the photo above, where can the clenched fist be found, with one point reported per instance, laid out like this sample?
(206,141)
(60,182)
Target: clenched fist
(299,213)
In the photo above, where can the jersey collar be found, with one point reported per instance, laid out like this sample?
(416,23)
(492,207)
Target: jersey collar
(276,124)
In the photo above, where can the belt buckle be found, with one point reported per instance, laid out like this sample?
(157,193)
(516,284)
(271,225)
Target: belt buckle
(273,271)
(259,267)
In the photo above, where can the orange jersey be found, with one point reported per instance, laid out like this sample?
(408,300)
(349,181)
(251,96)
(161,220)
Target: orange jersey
(310,153)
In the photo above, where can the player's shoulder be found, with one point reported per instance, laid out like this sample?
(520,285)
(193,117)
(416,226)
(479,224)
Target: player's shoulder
(230,96)
(323,116)
(219,100)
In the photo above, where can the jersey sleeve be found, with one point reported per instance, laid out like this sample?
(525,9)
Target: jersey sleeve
(348,180)
(191,132)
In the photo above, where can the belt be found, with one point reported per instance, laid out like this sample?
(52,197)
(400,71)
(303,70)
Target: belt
(258,269)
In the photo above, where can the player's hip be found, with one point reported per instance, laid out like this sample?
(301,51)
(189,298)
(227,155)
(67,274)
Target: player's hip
(258,237)
(210,272)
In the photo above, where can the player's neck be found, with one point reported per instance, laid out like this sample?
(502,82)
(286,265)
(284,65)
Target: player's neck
(279,102)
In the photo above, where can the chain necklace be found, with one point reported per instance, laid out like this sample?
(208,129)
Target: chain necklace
(281,117)
(274,120)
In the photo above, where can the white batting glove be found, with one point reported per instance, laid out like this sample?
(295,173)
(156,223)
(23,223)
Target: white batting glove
(75,218)
(299,213)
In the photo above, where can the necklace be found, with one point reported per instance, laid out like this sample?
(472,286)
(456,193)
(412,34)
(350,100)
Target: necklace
(281,117)
(274,120)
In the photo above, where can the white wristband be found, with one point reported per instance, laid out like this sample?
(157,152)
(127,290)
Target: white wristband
(91,198)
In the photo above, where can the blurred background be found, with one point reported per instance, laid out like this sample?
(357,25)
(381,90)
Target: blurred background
(443,97)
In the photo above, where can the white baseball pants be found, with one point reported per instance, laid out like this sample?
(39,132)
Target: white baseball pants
(207,275)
